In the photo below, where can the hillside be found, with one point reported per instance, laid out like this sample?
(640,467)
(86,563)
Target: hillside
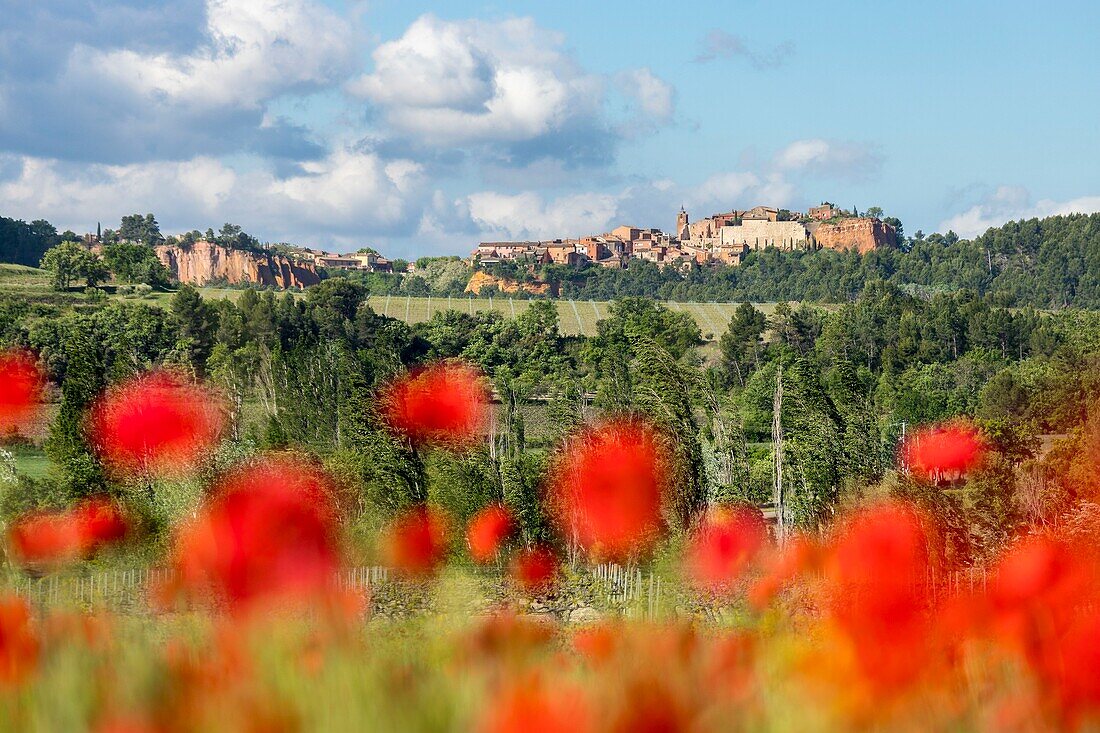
(202,263)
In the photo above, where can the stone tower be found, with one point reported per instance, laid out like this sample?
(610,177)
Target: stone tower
(682,224)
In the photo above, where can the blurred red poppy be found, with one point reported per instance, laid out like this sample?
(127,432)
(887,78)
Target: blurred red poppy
(534,569)
(609,489)
(21,385)
(268,534)
(19,643)
(157,422)
(529,705)
(723,544)
(487,531)
(877,594)
(943,453)
(442,404)
(416,542)
(44,540)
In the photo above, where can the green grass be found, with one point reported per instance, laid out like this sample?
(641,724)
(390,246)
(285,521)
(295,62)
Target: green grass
(31,462)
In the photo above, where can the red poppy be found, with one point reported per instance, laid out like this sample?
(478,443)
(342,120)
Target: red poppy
(487,531)
(156,422)
(944,452)
(795,558)
(534,569)
(609,489)
(877,595)
(722,546)
(443,404)
(416,542)
(50,539)
(531,706)
(18,641)
(21,384)
(268,534)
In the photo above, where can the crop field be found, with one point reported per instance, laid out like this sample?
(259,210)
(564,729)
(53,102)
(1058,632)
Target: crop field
(577,317)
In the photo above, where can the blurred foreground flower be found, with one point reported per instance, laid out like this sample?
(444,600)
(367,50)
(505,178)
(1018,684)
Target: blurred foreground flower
(609,488)
(943,453)
(416,542)
(532,705)
(723,544)
(442,404)
(47,540)
(21,385)
(487,531)
(18,641)
(156,422)
(877,595)
(267,535)
(534,569)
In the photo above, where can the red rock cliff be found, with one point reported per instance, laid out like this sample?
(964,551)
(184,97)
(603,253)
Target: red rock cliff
(204,262)
(859,233)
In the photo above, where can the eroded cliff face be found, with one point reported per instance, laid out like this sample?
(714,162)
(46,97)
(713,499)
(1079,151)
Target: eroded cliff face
(481,280)
(205,262)
(862,234)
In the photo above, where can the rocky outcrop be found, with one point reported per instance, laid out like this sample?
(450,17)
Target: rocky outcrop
(202,263)
(862,234)
(481,280)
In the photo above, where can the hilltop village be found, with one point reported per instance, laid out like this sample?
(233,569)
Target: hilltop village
(720,239)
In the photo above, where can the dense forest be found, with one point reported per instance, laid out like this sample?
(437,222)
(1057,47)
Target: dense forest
(302,373)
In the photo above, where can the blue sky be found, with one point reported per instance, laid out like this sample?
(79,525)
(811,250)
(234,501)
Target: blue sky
(424,128)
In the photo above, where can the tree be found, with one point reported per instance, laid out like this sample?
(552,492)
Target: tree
(875,212)
(139,229)
(25,244)
(741,343)
(134,263)
(197,324)
(69,261)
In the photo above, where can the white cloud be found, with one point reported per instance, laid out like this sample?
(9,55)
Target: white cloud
(1011,203)
(449,82)
(528,216)
(347,193)
(255,49)
(830,158)
(655,98)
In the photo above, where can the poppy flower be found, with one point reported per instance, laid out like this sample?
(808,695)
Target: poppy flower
(21,385)
(487,531)
(156,422)
(944,452)
(416,542)
(534,569)
(609,488)
(268,534)
(19,643)
(45,540)
(442,404)
(722,546)
(532,706)
(877,597)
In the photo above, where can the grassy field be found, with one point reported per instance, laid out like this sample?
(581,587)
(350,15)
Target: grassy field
(577,317)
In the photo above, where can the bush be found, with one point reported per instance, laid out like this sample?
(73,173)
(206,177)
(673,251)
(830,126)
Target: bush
(142,290)
(124,290)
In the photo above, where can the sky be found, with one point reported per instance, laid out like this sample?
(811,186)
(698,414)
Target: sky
(422,128)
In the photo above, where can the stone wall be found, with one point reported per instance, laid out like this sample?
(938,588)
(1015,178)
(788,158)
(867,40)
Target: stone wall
(758,234)
(202,263)
(862,234)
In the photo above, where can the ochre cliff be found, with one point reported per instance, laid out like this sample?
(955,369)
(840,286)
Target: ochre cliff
(862,234)
(204,262)
(480,280)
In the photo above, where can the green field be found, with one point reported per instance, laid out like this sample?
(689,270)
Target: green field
(577,317)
